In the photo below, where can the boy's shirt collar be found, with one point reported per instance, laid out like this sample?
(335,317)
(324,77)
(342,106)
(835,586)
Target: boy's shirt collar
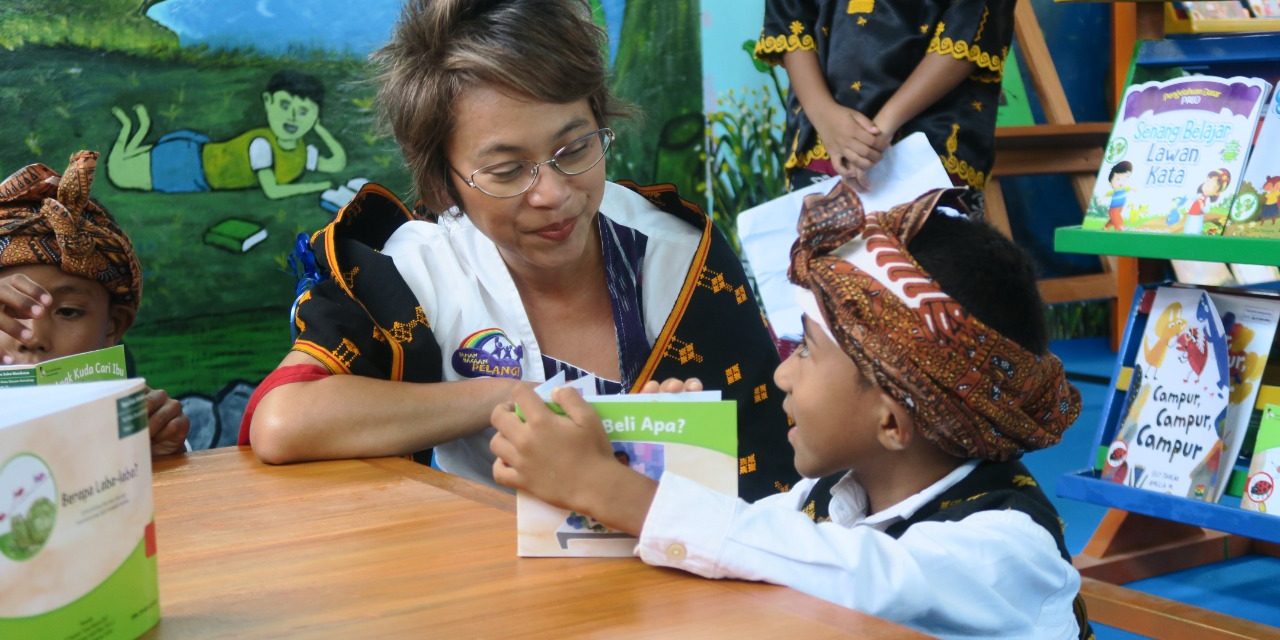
(849,500)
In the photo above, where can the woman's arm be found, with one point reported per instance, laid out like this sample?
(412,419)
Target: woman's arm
(352,416)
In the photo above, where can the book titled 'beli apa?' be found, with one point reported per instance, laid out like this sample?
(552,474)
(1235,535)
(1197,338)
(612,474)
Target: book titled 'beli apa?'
(77,533)
(692,434)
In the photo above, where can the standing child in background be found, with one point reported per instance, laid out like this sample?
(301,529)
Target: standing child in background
(923,376)
(70,281)
(865,73)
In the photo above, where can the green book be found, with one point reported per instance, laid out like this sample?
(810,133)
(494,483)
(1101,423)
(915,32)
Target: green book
(692,434)
(90,366)
(235,235)
(1264,468)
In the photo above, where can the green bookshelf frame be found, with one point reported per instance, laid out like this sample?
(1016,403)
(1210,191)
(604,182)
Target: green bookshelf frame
(1171,246)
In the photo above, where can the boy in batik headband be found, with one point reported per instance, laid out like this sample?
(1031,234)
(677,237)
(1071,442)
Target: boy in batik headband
(69,279)
(922,377)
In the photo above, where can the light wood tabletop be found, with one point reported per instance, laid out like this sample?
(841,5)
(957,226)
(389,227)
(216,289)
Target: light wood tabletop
(390,548)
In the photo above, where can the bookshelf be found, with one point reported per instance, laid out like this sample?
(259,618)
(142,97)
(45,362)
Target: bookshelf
(1144,533)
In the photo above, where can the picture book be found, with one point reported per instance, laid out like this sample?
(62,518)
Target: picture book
(1215,10)
(332,200)
(1256,210)
(692,434)
(1170,438)
(767,231)
(1249,323)
(1173,161)
(77,532)
(235,235)
(1264,469)
(103,364)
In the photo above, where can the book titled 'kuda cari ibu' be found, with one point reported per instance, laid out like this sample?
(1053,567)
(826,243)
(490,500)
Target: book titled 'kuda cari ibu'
(1174,158)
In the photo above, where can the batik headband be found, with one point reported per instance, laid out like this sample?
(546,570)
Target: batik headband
(970,390)
(47,219)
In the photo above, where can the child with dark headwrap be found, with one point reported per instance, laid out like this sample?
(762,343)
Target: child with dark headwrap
(923,376)
(69,279)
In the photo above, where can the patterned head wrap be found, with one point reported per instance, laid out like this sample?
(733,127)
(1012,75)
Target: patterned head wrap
(971,391)
(47,219)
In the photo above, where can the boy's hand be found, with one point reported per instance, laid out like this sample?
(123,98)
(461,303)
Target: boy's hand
(21,298)
(167,423)
(567,460)
(852,140)
(672,385)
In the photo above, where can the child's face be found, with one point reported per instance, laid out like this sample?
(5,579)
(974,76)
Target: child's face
(1212,186)
(1120,180)
(80,319)
(290,117)
(835,409)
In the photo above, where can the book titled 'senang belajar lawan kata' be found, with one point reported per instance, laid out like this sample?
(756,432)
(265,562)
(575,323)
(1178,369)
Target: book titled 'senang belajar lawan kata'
(1174,158)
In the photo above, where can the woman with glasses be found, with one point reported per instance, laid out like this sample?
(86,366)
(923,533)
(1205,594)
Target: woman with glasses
(538,266)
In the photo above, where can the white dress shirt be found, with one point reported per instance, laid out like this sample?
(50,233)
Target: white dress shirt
(994,574)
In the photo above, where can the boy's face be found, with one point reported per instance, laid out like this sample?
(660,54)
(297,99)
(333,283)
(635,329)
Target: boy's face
(1120,180)
(835,409)
(80,319)
(290,117)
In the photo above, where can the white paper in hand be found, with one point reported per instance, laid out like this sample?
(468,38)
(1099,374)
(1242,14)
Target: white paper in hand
(767,231)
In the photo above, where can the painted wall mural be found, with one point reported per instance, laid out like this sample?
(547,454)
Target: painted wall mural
(228,127)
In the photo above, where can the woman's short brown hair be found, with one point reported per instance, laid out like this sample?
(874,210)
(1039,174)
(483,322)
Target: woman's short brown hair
(544,50)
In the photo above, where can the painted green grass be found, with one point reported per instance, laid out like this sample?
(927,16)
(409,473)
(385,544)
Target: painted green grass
(208,316)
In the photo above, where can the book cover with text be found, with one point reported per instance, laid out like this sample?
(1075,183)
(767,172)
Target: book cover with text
(1173,161)
(77,522)
(90,366)
(1256,210)
(1264,469)
(1170,438)
(652,433)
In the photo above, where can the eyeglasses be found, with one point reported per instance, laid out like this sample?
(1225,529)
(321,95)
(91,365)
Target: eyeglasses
(511,178)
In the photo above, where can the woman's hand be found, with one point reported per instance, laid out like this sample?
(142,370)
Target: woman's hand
(672,385)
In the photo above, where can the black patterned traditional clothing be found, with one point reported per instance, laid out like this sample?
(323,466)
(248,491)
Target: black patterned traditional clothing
(867,49)
(51,220)
(417,301)
(990,486)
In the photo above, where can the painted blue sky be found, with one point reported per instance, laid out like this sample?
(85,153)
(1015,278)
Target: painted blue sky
(356,27)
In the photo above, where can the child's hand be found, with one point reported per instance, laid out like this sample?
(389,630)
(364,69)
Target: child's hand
(852,140)
(558,458)
(672,385)
(21,299)
(167,423)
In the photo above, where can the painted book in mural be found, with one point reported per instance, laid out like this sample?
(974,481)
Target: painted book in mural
(90,366)
(77,533)
(1249,322)
(1256,210)
(1173,161)
(1170,438)
(1264,468)
(692,434)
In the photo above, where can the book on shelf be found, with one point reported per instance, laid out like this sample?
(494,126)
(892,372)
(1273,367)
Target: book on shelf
(1265,8)
(90,366)
(236,235)
(1264,468)
(1173,161)
(1196,377)
(1256,210)
(77,532)
(1215,10)
(692,434)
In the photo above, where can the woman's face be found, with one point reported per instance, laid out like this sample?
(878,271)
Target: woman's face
(551,225)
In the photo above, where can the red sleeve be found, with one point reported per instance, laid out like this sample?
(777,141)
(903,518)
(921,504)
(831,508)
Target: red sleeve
(278,378)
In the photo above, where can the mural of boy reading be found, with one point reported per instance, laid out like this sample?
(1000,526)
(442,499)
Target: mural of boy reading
(272,157)
(70,281)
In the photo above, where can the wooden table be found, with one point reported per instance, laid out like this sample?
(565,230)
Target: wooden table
(389,548)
